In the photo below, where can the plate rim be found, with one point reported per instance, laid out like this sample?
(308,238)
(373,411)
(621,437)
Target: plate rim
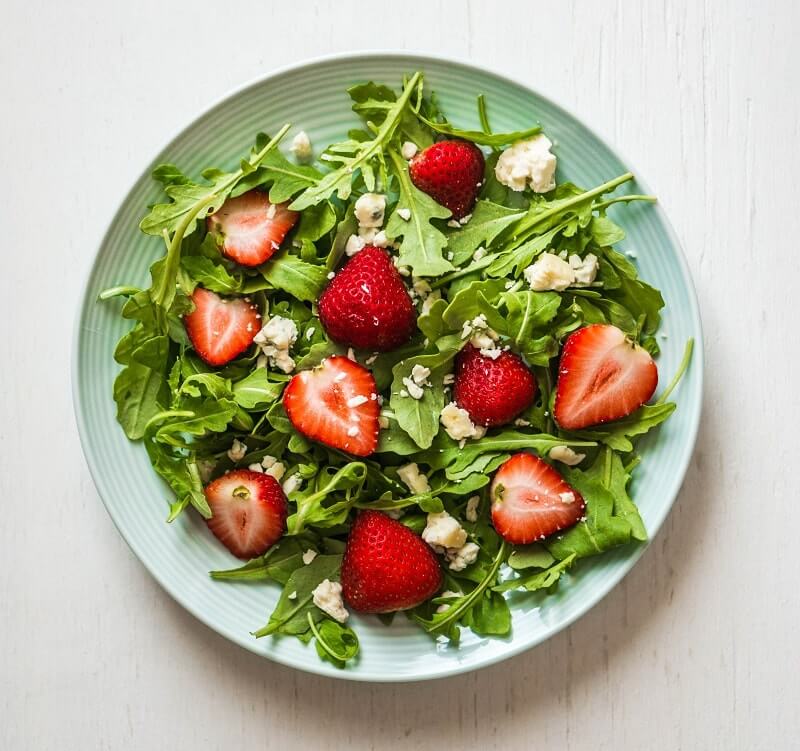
(448,669)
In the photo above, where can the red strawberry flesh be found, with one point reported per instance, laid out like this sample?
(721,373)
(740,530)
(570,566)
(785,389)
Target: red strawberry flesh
(252,227)
(602,376)
(531,501)
(248,511)
(387,567)
(493,390)
(451,173)
(366,305)
(335,404)
(220,329)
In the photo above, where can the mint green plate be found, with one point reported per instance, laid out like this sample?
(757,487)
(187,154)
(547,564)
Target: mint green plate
(312,97)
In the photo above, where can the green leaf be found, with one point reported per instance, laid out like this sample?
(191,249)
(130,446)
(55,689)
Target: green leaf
(530,556)
(285,178)
(540,580)
(489,616)
(478,136)
(256,391)
(212,276)
(277,564)
(487,222)
(298,278)
(291,613)
(334,642)
(311,509)
(422,243)
(139,394)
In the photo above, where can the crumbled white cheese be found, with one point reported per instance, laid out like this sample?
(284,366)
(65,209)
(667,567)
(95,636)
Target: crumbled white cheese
(448,379)
(419,374)
(414,390)
(549,272)
(459,558)
(566,455)
(309,556)
(404,214)
(478,254)
(402,270)
(446,605)
(453,223)
(351,355)
(465,219)
(255,467)
(429,300)
(354,244)
(521,422)
(528,162)
(471,512)
(380,240)
(408,150)
(310,332)
(275,340)
(331,274)
(276,470)
(292,595)
(585,269)
(383,421)
(416,481)
(457,423)
(328,598)
(206,468)
(301,147)
(369,209)
(237,450)
(493,352)
(443,531)
(292,483)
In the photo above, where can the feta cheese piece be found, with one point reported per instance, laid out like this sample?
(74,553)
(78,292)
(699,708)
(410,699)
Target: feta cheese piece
(404,214)
(416,481)
(275,340)
(456,422)
(584,269)
(380,240)
(354,245)
(276,470)
(301,147)
(369,209)
(328,598)
(549,272)
(383,421)
(419,374)
(443,531)
(459,558)
(413,389)
(566,455)
(465,219)
(471,512)
(408,150)
(292,483)
(449,378)
(292,595)
(206,468)
(309,556)
(255,467)
(453,223)
(237,450)
(528,162)
(446,605)
(479,253)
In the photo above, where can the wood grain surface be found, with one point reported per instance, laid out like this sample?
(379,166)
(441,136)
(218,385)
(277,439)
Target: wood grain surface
(696,649)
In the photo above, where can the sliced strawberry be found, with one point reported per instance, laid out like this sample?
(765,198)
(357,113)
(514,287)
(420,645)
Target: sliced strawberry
(451,173)
(531,501)
(336,403)
(221,329)
(386,567)
(366,305)
(602,376)
(248,511)
(494,390)
(252,227)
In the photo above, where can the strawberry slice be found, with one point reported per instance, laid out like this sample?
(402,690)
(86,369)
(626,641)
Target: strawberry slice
(386,566)
(221,329)
(336,404)
(602,376)
(248,511)
(531,501)
(252,227)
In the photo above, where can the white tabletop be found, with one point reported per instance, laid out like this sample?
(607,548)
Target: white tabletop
(697,648)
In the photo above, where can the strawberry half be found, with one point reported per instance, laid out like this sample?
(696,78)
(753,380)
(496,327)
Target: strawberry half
(220,329)
(493,391)
(336,403)
(386,567)
(248,511)
(450,172)
(366,305)
(602,376)
(531,501)
(252,228)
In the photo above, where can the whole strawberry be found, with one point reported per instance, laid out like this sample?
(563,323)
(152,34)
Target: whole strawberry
(366,305)
(493,390)
(386,567)
(450,172)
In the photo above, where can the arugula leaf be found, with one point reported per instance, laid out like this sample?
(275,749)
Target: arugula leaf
(540,580)
(530,556)
(256,391)
(487,222)
(479,136)
(310,509)
(287,272)
(277,564)
(334,642)
(422,244)
(139,394)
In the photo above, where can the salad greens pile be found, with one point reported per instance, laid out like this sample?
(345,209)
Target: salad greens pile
(187,414)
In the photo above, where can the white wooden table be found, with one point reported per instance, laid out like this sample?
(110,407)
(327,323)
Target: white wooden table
(697,649)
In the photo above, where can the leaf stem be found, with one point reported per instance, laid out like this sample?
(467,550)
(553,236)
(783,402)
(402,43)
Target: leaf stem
(321,641)
(687,356)
(121,291)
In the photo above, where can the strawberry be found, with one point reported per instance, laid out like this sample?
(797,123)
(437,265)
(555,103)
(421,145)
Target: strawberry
(450,172)
(366,305)
(602,376)
(221,329)
(248,511)
(531,501)
(336,403)
(386,566)
(252,228)
(493,391)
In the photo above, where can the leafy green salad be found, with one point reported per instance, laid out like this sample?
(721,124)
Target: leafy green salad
(493,407)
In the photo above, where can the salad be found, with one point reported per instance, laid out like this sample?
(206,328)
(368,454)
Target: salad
(405,376)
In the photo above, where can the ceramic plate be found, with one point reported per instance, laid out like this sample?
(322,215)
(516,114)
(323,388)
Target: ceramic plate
(312,97)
